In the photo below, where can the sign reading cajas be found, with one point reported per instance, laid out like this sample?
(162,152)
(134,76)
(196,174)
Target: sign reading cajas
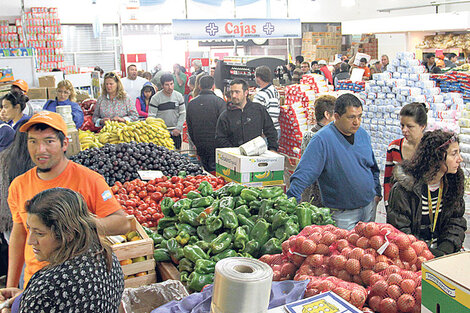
(236,29)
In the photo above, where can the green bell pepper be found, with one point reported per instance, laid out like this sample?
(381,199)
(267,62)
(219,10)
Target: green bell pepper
(182,174)
(204,245)
(187,228)
(183,237)
(157,238)
(197,281)
(205,188)
(243,220)
(279,219)
(162,244)
(204,234)
(188,217)
(172,245)
(252,247)
(178,255)
(243,210)
(170,232)
(185,265)
(271,192)
(204,266)
(244,255)
(239,201)
(213,223)
(193,240)
(254,205)
(161,255)
(304,214)
(260,232)
(229,253)
(193,195)
(287,205)
(266,204)
(280,233)
(167,206)
(291,228)
(165,222)
(227,202)
(272,246)
(269,214)
(235,189)
(194,253)
(182,204)
(202,202)
(221,192)
(184,276)
(229,218)
(220,243)
(249,195)
(240,238)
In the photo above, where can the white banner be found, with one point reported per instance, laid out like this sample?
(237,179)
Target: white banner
(236,29)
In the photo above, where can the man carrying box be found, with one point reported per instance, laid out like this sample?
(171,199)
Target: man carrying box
(243,120)
(47,143)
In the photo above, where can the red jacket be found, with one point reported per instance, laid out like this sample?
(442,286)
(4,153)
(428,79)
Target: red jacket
(326,72)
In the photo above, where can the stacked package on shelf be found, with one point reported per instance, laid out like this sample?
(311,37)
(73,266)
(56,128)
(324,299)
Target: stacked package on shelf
(454,82)
(294,118)
(405,81)
(298,112)
(11,36)
(350,85)
(43,32)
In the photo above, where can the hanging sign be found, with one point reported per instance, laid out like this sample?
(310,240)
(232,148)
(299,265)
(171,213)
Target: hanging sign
(236,29)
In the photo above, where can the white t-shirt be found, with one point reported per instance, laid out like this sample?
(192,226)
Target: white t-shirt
(133,87)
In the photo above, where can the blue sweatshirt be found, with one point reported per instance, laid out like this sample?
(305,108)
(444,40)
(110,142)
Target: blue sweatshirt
(347,174)
(77,113)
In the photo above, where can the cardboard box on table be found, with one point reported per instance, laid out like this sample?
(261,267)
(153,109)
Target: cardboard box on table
(264,170)
(47,81)
(74,143)
(37,93)
(446,284)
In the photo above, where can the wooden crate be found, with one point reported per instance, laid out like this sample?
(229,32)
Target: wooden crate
(134,249)
(167,271)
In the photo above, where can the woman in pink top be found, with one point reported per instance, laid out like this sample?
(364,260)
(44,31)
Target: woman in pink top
(114,103)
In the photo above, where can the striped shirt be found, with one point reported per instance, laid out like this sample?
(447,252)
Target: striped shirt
(394,157)
(269,98)
(426,224)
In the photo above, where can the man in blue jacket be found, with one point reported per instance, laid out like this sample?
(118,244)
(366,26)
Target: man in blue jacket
(340,156)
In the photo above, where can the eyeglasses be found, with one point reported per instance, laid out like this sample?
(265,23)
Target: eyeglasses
(448,142)
(110,74)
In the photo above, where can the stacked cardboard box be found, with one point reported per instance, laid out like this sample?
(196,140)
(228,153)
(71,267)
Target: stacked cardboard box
(454,82)
(322,45)
(11,36)
(403,83)
(43,32)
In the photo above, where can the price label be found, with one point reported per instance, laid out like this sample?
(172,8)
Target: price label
(149,175)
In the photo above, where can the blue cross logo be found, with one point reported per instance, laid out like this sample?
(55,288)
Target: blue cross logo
(212,29)
(268,28)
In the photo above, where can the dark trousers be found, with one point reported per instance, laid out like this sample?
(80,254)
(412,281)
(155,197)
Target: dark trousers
(208,162)
(177,141)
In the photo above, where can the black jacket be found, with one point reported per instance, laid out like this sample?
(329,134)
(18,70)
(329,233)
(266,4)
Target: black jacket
(201,118)
(236,127)
(404,210)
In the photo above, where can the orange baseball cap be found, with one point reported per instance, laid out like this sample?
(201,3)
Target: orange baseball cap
(21,84)
(52,119)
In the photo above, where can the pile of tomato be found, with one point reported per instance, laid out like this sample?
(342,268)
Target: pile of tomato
(142,199)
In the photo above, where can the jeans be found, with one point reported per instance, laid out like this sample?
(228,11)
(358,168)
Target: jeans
(347,219)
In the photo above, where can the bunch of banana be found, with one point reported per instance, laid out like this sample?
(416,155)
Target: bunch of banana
(88,139)
(149,130)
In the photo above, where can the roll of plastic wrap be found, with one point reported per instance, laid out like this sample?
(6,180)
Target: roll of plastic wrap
(464,138)
(241,285)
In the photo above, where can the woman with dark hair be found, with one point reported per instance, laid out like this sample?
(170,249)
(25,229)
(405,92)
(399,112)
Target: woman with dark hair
(427,197)
(142,102)
(82,274)
(11,108)
(413,121)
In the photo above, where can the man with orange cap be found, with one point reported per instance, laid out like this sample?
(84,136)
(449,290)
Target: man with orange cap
(21,86)
(47,144)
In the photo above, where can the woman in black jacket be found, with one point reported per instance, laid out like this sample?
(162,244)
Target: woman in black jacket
(433,175)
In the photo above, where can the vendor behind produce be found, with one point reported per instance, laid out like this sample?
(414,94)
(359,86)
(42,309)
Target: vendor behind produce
(340,156)
(47,143)
(114,104)
(83,274)
(427,197)
(66,96)
(244,120)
